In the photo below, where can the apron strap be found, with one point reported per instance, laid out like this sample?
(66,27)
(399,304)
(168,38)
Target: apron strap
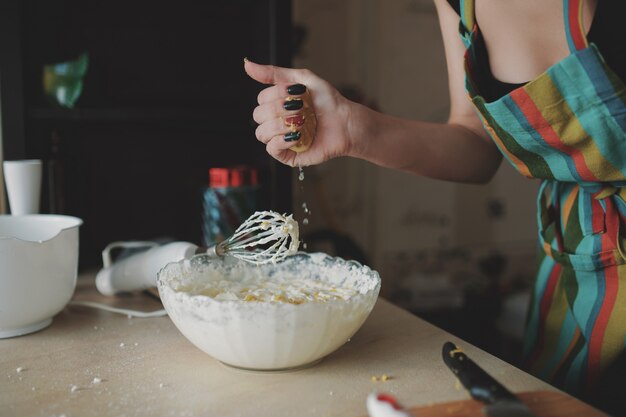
(466,24)
(574,29)
(467,14)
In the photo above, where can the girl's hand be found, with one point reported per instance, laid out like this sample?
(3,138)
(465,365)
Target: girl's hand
(278,114)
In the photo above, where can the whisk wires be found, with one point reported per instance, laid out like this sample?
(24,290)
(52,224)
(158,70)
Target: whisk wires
(264,237)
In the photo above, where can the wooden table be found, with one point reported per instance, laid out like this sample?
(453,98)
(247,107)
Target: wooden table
(96,363)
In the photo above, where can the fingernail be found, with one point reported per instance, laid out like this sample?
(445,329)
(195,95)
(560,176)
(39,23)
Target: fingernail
(292,136)
(245,59)
(296,89)
(295,120)
(294,104)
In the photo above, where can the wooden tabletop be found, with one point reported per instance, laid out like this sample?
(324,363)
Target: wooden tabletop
(96,363)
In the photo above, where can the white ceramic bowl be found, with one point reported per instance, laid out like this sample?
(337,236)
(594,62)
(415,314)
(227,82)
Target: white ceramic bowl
(38,266)
(263,333)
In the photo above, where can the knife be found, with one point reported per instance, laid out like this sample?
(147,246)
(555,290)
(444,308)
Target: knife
(499,401)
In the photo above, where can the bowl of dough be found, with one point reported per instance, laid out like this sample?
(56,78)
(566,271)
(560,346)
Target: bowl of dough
(270,317)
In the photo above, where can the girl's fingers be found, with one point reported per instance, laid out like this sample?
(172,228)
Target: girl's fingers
(286,116)
(270,74)
(280,91)
(284,107)
(278,148)
(286,126)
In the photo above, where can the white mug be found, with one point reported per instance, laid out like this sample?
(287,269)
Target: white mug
(23,181)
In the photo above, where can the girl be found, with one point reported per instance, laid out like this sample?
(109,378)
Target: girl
(542,83)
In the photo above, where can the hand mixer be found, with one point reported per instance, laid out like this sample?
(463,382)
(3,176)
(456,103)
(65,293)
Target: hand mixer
(264,237)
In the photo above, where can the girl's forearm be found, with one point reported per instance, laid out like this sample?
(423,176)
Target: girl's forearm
(445,151)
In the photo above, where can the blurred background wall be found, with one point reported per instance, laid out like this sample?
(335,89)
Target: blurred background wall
(129,104)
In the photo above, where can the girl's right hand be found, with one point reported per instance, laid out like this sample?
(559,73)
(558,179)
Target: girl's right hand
(332,111)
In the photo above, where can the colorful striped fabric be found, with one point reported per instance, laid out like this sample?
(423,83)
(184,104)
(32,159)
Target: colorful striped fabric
(567,127)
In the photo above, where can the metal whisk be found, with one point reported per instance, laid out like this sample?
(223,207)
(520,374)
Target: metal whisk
(264,237)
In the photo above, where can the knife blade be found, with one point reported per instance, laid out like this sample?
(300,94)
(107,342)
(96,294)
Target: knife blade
(499,401)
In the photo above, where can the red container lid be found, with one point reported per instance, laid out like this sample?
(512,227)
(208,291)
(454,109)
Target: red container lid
(232,176)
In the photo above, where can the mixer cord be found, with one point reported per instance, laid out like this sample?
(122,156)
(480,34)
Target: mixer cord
(124,311)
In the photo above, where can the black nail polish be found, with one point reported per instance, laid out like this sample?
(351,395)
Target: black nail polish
(295,104)
(292,136)
(296,89)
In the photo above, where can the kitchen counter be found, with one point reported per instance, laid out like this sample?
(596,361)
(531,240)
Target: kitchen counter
(96,363)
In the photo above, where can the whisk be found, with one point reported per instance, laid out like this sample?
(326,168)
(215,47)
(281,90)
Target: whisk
(264,237)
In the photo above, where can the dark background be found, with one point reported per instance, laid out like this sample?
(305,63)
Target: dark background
(165,98)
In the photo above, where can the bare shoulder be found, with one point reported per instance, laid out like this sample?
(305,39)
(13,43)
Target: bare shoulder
(517,54)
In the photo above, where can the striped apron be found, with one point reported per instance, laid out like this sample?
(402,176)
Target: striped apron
(567,128)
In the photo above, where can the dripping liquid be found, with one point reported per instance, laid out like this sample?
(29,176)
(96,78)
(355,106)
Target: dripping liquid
(304,206)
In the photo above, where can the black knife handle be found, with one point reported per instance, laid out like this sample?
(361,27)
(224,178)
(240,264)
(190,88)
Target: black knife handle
(481,386)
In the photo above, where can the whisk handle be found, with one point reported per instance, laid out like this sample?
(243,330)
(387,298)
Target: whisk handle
(215,251)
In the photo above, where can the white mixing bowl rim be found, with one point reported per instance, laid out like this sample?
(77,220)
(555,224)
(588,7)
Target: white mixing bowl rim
(165,284)
(76,222)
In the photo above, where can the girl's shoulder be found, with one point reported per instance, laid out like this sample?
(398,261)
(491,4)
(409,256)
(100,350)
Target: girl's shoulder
(456,5)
